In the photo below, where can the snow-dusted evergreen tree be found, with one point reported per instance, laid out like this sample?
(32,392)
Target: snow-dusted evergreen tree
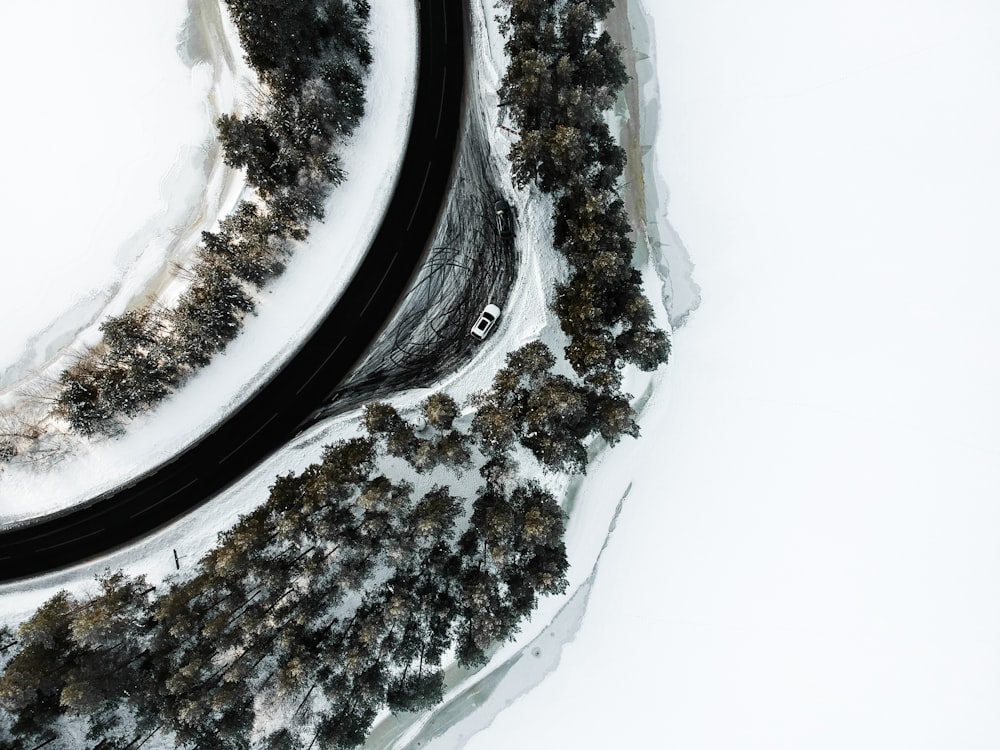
(512,553)
(81,400)
(443,445)
(208,315)
(549,414)
(249,243)
(34,677)
(384,422)
(111,634)
(440,410)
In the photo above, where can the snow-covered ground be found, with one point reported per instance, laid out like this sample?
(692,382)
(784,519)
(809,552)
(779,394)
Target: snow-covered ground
(803,551)
(290,307)
(807,556)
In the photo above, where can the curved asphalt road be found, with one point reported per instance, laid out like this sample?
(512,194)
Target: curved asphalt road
(278,410)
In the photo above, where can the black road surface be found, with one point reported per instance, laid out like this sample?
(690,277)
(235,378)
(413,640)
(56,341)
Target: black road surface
(282,405)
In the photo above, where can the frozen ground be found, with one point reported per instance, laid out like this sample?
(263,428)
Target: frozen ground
(290,307)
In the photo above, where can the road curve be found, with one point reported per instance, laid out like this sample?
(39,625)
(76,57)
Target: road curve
(276,411)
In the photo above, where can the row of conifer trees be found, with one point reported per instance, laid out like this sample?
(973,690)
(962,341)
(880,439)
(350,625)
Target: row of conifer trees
(310,58)
(562,79)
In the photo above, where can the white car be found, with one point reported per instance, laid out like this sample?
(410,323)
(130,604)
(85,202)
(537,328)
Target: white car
(485,322)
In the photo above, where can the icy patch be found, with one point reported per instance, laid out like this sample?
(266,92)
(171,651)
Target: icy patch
(681,294)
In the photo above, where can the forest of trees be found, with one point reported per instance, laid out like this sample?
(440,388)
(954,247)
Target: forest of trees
(340,595)
(349,589)
(561,79)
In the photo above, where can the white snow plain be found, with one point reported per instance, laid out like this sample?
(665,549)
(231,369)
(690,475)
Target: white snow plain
(807,557)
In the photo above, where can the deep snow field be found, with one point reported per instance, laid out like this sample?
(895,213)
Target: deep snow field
(803,551)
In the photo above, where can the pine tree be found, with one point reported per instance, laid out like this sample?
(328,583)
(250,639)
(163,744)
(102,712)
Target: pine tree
(440,410)
(432,519)
(109,633)
(249,243)
(450,449)
(417,691)
(613,416)
(209,314)
(251,143)
(512,553)
(281,739)
(82,400)
(35,675)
